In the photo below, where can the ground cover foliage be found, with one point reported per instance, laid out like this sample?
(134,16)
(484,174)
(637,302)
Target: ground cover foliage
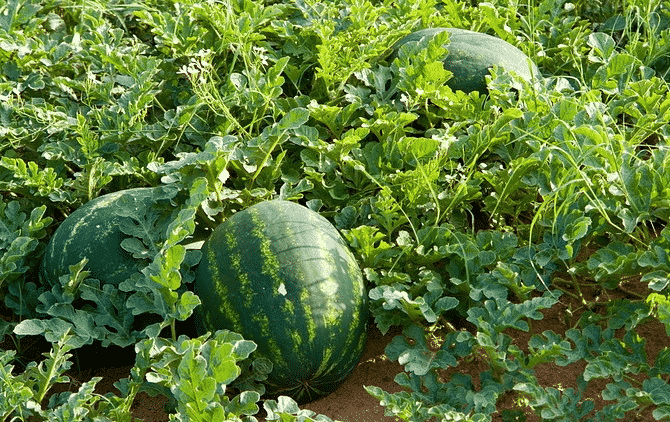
(468,214)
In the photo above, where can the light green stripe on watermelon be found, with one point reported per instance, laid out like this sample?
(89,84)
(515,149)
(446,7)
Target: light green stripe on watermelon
(224,290)
(325,366)
(359,301)
(289,307)
(309,318)
(297,338)
(329,286)
(270,266)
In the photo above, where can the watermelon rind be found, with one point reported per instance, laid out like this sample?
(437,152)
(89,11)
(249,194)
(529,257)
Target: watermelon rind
(93,231)
(472,55)
(282,276)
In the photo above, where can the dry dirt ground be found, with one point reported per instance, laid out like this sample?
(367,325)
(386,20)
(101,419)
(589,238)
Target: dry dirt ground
(351,403)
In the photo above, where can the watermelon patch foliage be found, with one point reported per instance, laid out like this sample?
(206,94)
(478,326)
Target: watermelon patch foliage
(471,214)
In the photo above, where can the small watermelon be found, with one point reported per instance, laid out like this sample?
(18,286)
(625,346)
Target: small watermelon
(472,54)
(94,231)
(281,275)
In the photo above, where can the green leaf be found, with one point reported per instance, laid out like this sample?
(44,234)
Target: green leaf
(192,370)
(578,229)
(283,404)
(661,363)
(244,403)
(658,280)
(110,315)
(552,403)
(293,120)
(285,409)
(658,390)
(369,243)
(19,237)
(603,46)
(412,351)
(616,358)
(78,404)
(661,413)
(615,258)
(660,308)
(188,301)
(136,248)
(496,316)
(29,327)
(547,349)
(395,297)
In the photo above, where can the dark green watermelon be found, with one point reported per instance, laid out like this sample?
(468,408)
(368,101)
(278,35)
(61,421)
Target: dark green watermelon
(282,276)
(93,231)
(472,54)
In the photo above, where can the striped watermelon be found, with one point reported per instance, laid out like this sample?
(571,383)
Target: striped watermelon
(93,231)
(472,54)
(282,276)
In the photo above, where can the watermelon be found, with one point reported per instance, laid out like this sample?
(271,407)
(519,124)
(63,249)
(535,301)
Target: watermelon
(472,54)
(281,275)
(93,231)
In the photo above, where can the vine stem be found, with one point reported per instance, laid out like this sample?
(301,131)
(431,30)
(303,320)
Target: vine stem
(632,293)
(574,296)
